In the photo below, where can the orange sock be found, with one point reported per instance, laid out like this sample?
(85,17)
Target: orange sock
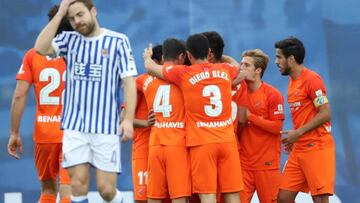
(65,200)
(47,198)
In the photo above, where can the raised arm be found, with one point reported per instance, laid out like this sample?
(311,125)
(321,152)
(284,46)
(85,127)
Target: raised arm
(151,67)
(43,42)
(17,109)
(229,60)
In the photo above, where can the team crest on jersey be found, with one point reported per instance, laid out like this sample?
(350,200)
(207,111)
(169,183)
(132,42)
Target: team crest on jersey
(105,52)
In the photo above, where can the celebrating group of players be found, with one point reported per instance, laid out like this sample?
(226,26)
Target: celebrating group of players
(207,128)
(213,127)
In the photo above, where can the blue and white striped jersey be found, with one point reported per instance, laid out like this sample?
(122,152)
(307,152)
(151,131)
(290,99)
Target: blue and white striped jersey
(95,67)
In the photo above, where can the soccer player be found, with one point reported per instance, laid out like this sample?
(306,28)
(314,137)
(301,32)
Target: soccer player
(239,92)
(140,147)
(239,100)
(311,162)
(206,87)
(43,73)
(47,77)
(99,62)
(260,140)
(169,163)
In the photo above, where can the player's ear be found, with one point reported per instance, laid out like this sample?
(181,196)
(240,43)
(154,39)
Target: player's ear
(210,55)
(93,11)
(189,55)
(291,59)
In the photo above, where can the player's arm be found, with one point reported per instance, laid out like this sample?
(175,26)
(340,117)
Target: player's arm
(151,66)
(271,126)
(17,108)
(240,76)
(43,42)
(138,123)
(323,115)
(230,60)
(242,120)
(316,91)
(130,94)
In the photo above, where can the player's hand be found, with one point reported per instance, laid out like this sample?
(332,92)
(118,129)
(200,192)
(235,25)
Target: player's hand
(151,117)
(15,148)
(292,136)
(288,148)
(242,74)
(126,130)
(63,8)
(147,52)
(248,113)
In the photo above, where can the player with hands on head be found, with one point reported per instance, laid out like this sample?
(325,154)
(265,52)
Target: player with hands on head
(100,65)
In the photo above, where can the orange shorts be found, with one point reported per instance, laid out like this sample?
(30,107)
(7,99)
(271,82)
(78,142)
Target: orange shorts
(265,182)
(48,158)
(215,168)
(139,175)
(169,172)
(312,171)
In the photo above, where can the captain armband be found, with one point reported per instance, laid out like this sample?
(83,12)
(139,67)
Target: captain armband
(320,100)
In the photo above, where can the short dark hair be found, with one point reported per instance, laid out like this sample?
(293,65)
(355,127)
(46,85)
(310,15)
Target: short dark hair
(88,3)
(198,46)
(216,43)
(64,24)
(157,53)
(292,46)
(172,48)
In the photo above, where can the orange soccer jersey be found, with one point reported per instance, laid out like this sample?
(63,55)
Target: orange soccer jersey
(48,77)
(167,102)
(207,89)
(239,98)
(305,94)
(261,149)
(140,147)
(140,151)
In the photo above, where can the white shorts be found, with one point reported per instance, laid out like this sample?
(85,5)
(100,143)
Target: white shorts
(100,150)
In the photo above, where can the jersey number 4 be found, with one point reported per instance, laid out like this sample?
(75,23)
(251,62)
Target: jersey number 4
(162,101)
(53,76)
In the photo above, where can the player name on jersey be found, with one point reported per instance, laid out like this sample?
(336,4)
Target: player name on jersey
(169,124)
(214,124)
(206,74)
(48,119)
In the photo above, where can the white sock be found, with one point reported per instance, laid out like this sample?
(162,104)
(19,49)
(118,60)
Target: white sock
(78,198)
(117,199)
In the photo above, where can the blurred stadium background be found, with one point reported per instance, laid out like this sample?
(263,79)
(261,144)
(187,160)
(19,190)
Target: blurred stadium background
(330,30)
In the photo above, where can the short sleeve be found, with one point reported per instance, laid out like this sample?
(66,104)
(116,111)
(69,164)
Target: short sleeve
(232,70)
(127,61)
(140,82)
(240,96)
(276,105)
(316,91)
(60,44)
(25,71)
(173,74)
